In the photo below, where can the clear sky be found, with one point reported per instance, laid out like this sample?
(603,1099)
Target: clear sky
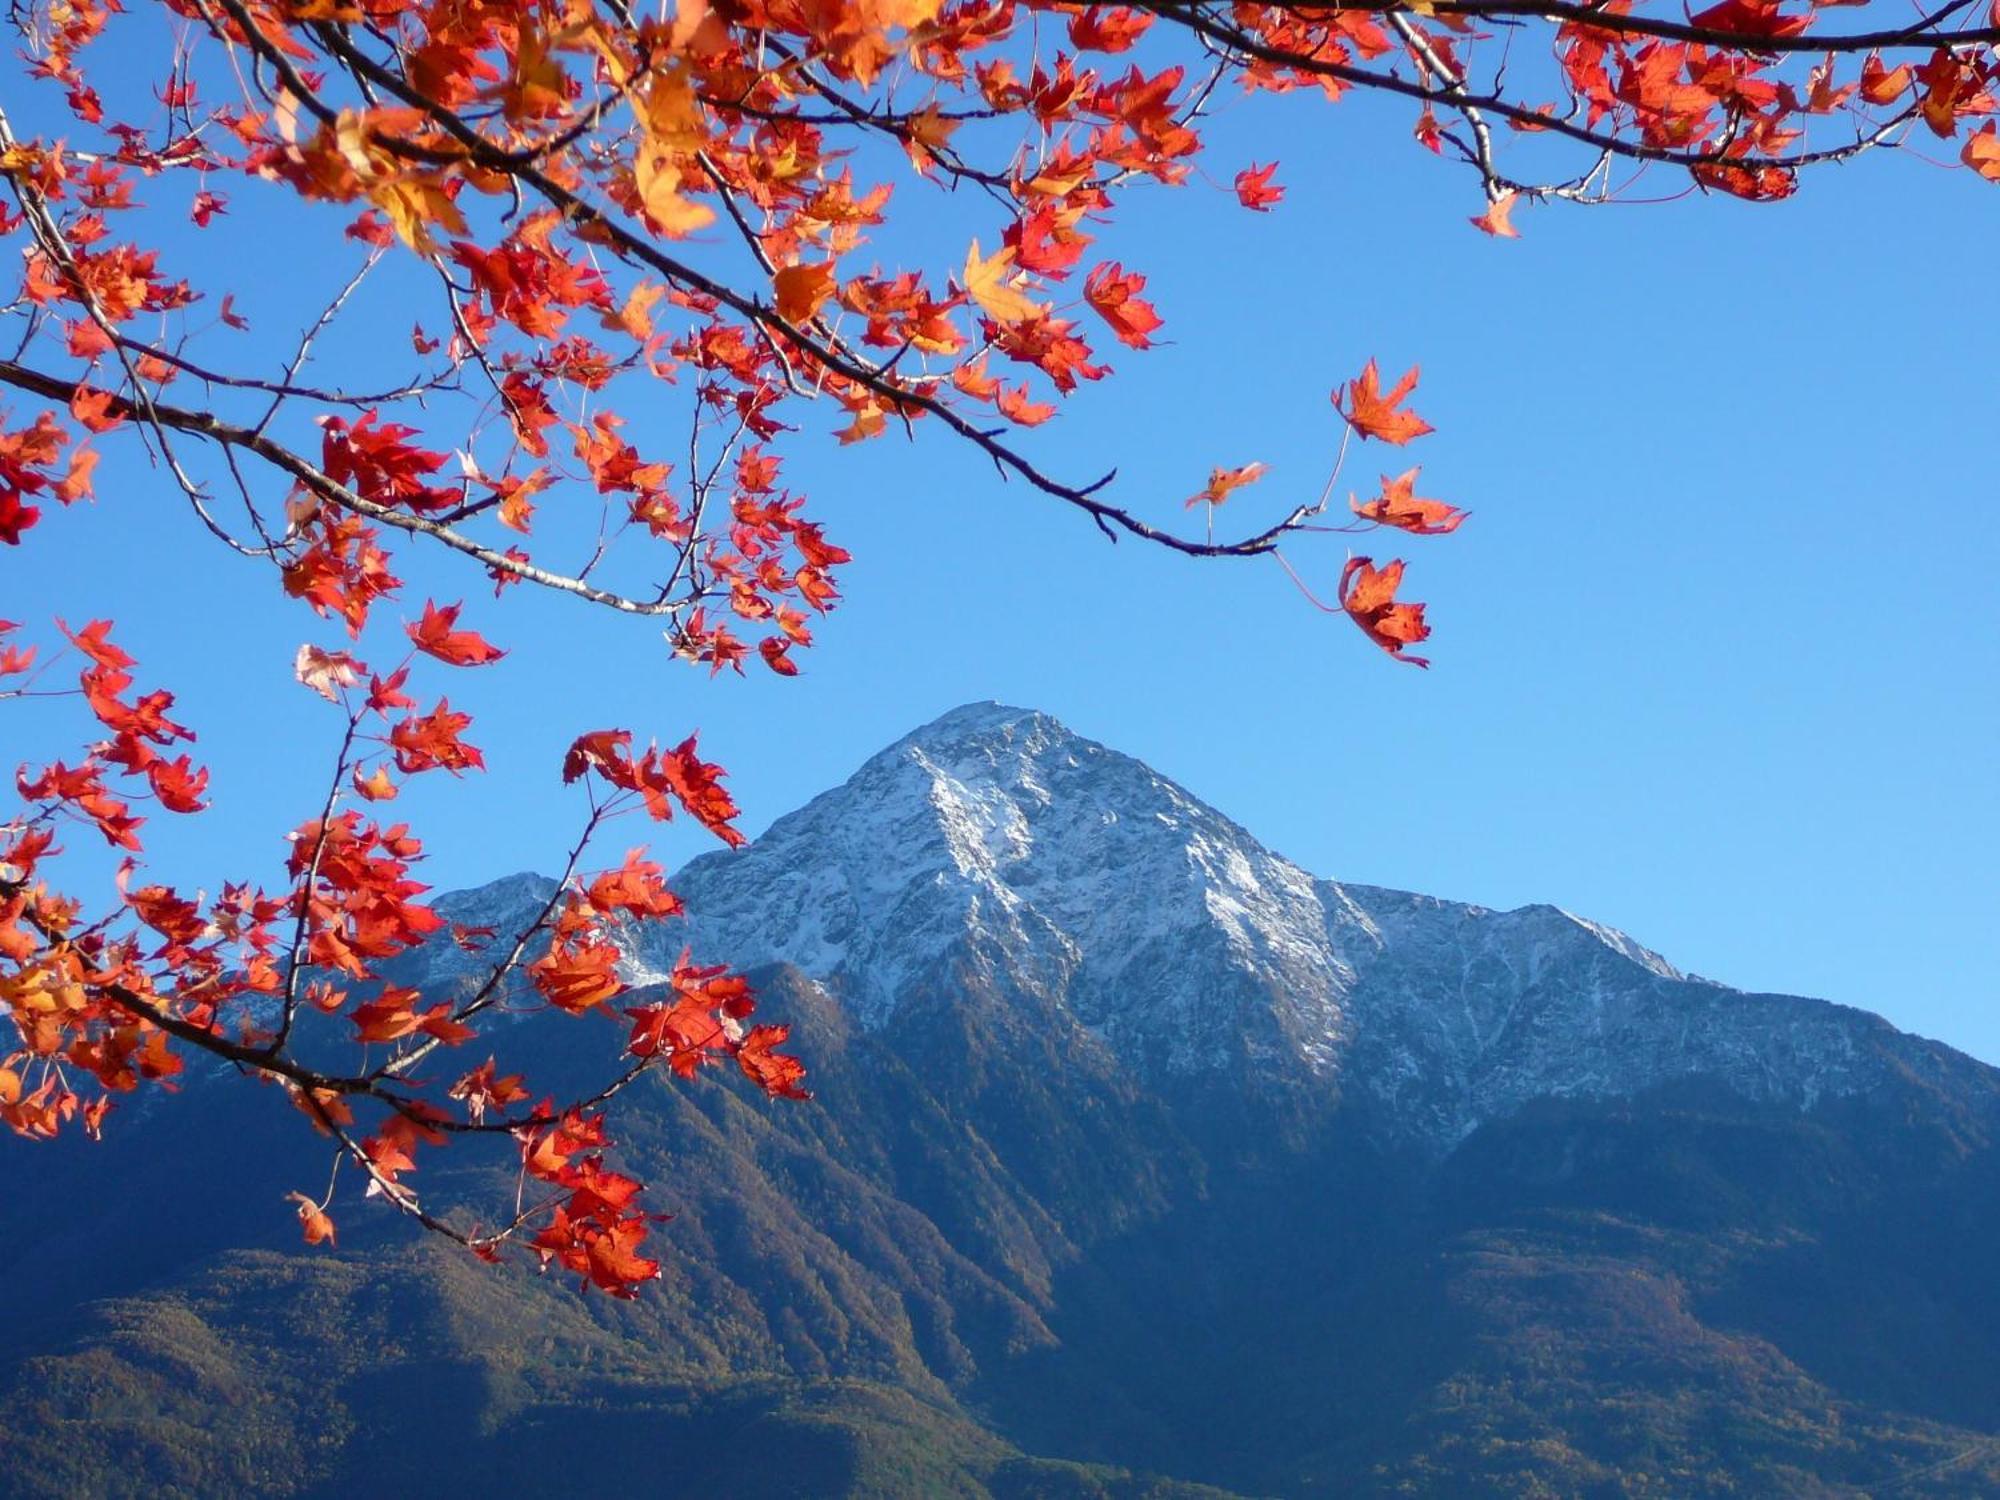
(1716,660)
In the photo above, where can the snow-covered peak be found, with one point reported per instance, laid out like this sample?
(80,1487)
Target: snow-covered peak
(995,845)
(986,728)
(997,835)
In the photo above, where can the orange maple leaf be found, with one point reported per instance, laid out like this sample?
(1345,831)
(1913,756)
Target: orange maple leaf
(1368,594)
(1015,404)
(377,787)
(1372,414)
(1982,152)
(1223,482)
(1399,505)
(799,290)
(1883,85)
(990,281)
(1497,220)
(313,1220)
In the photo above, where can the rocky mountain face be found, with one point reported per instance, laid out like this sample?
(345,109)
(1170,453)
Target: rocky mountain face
(997,846)
(1142,1160)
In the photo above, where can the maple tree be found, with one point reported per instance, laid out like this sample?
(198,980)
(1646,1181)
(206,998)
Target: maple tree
(577,210)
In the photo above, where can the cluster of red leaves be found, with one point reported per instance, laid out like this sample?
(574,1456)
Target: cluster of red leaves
(1368,594)
(1685,95)
(82,997)
(101,1006)
(29,461)
(594,1230)
(704,1020)
(660,778)
(137,727)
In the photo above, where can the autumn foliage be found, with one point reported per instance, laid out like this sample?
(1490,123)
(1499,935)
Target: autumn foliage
(555,212)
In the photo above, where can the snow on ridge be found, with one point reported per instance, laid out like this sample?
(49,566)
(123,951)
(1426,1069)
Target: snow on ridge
(993,836)
(1625,946)
(1076,870)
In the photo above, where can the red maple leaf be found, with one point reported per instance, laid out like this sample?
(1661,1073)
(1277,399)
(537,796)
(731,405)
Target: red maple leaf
(436,635)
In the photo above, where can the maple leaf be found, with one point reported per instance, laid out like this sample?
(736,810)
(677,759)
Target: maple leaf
(1115,296)
(75,483)
(776,651)
(92,409)
(614,1264)
(672,124)
(15,517)
(1107,28)
(485,1088)
(1372,414)
(377,786)
(1048,242)
(693,782)
(326,671)
(178,784)
(313,1220)
(94,641)
(1368,594)
(1015,404)
(1883,85)
(414,203)
(1254,188)
(799,291)
(435,635)
(425,742)
(925,135)
(991,282)
(776,1074)
(385,1018)
(1982,151)
(606,751)
(1399,505)
(635,888)
(1750,18)
(1224,482)
(1497,220)
(1949,86)
(576,977)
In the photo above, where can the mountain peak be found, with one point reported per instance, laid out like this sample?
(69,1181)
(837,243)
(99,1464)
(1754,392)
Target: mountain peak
(983,741)
(986,716)
(993,853)
(996,838)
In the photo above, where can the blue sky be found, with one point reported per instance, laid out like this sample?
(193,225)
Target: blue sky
(1716,658)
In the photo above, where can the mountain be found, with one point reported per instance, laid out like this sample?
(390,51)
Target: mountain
(1143,1163)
